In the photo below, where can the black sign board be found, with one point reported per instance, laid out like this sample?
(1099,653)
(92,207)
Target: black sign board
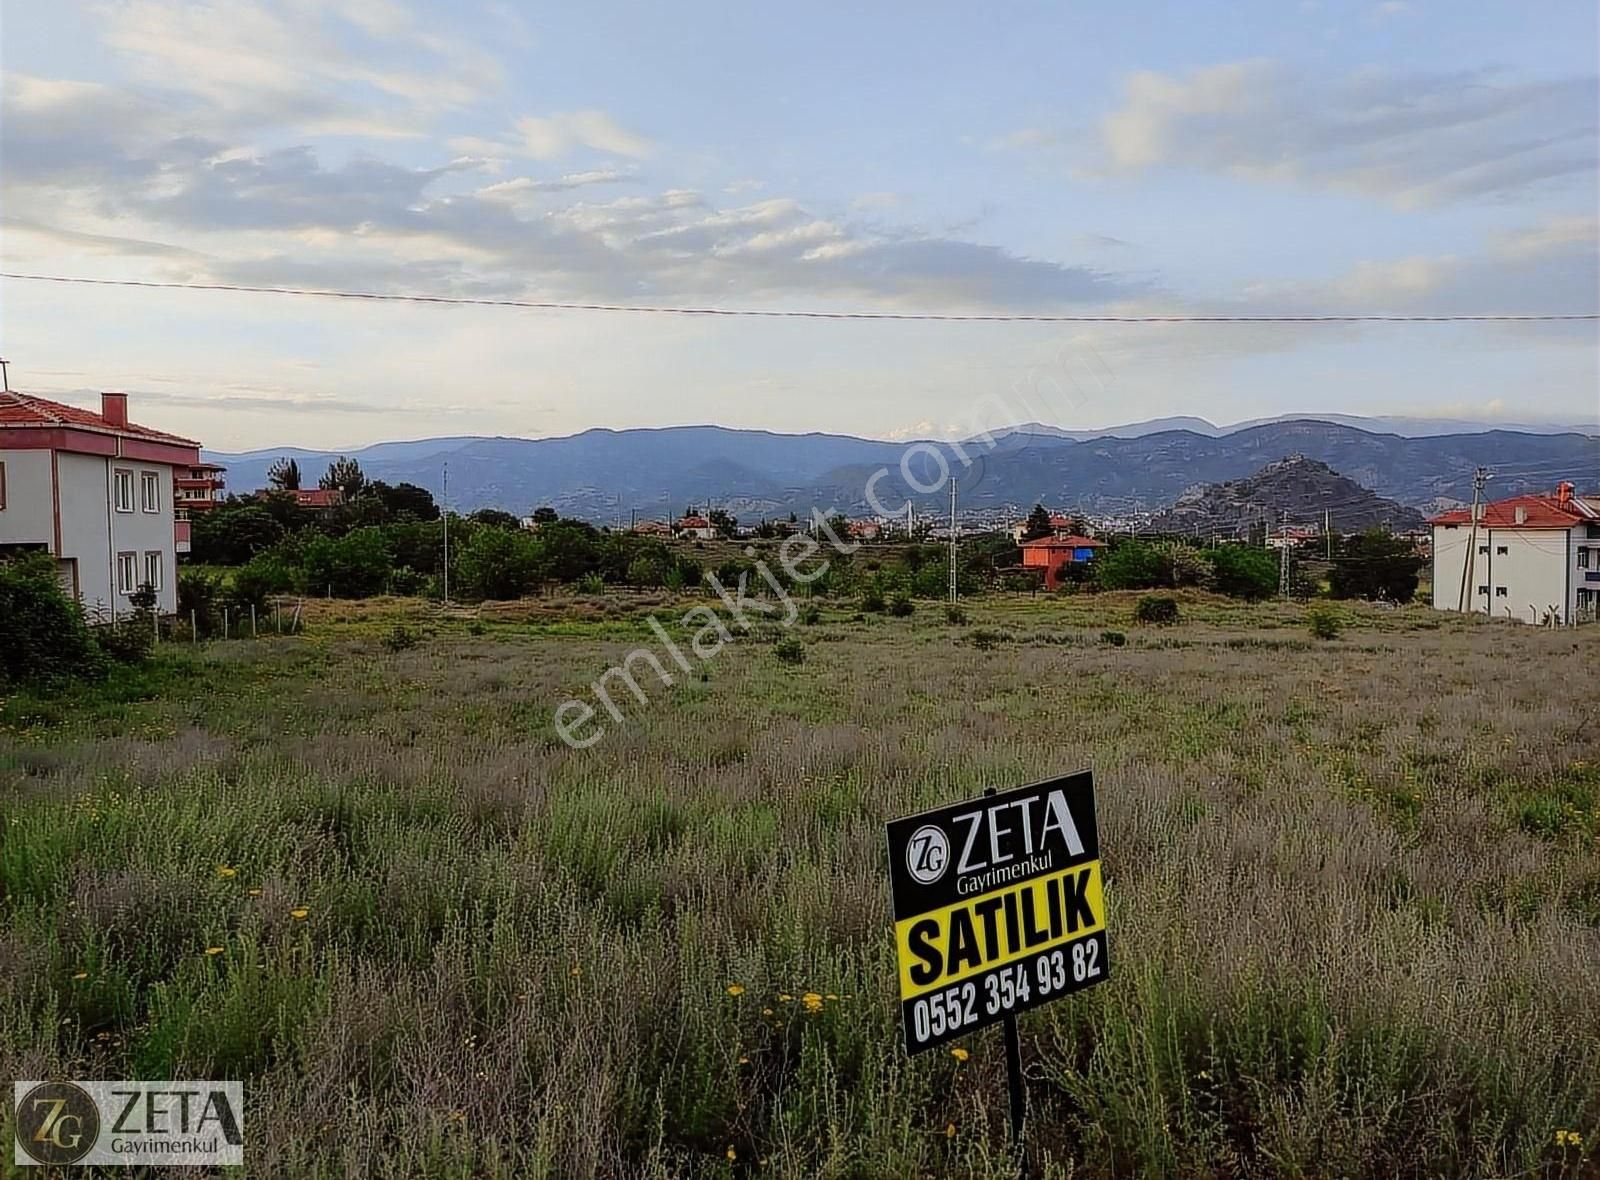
(998,907)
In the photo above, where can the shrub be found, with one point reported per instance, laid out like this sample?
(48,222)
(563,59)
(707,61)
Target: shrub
(1114,638)
(955,616)
(199,593)
(43,636)
(399,638)
(498,563)
(258,579)
(985,640)
(1158,609)
(1324,622)
(810,614)
(1244,571)
(901,607)
(872,599)
(789,650)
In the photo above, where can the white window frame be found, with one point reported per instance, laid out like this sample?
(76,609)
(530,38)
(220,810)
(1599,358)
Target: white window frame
(122,489)
(127,572)
(150,491)
(154,569)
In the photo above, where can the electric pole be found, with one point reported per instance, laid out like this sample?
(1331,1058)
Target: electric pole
(444,494)
(1283,558)
(1480,477)
(5,373)
(952,541)
(1327,529)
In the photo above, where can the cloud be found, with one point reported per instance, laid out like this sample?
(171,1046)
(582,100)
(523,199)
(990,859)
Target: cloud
(331,67)
(1411,139)
(547,137)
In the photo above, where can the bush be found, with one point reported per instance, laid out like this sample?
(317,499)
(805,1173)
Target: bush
(498,563)
(872,600)
(1324,622)
(985,640)
(1114,638)
(901,607)
(44,638)
(257,580)
(399,638)
(955,616)
(811,614)
(1158,609)
(1244,571)
(199,594)
(789,650)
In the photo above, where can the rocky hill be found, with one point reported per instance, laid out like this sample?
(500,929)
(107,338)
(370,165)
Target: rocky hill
(1295,488)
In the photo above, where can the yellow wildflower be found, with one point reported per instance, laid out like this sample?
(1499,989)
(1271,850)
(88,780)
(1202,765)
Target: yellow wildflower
(785,997)
(81,975)
(744,1061)
(576,971)
(226,871)
(812,1001)
(735,989)
(252,893)
(949,1130)
(959,1053)
(300,913)
(213,950)
(732,1154)
(766,1011)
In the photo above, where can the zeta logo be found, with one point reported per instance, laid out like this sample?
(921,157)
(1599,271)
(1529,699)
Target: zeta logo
(927,854)
(57,1123)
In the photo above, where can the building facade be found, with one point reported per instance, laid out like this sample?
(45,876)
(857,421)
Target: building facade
(96,492)
(1533,558)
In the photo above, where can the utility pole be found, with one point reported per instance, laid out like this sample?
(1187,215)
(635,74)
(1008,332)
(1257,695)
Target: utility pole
(1480,477)
(1327,530)
(5,373)
(952,541)
(444,494)
(1283,558)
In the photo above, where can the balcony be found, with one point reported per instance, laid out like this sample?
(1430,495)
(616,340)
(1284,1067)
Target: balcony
(180,535)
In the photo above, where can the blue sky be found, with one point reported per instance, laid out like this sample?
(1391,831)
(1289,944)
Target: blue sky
(1253,158)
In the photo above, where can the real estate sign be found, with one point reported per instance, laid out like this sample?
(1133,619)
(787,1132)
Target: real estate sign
(998,907)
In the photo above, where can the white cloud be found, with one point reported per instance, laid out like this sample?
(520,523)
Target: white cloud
(548,137)
(1412,139)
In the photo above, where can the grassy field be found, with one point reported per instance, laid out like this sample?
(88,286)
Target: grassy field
(1354,891)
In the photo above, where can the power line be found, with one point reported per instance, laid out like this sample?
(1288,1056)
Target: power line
(777,313)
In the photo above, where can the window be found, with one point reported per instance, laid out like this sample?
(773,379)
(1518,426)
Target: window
(152,569)
(1583,554)
(1499,591)
(122,489)
(150,491)
(1484,590)
(127,572)
(1501,550)
(1483,549)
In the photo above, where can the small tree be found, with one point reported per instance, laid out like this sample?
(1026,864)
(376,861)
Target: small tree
(1160,609)
(284,474)
(43,636)
(345,474)
(1037,524)
(545,515)
(725,523)
(495,518)
(1375,564)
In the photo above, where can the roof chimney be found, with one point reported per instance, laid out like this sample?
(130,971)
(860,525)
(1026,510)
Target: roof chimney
(114,408)
(1564,494)
(1521,514)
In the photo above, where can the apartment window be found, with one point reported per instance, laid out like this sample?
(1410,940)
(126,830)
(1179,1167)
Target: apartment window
(1501,550)
(1583,554)
(150,491)
(1499,591)
(127,572)
(152,569)
(122,489)
(1483,549)
(1484,590)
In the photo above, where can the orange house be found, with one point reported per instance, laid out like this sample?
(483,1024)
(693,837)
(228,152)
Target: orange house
(1051,553)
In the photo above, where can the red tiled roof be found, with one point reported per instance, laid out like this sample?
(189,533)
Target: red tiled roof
(1063,543)
(1538,512)
(694,522)
(26,410)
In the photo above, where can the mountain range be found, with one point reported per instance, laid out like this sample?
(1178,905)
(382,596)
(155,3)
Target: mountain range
(607,475)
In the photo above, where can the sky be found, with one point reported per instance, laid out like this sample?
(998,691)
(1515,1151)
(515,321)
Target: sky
(1253,158)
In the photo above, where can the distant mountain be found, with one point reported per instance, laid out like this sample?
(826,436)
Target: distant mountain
(1295,490)
(1383,424)
(606,475)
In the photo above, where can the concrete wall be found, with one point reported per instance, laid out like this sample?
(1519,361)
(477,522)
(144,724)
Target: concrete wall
(29,517)
(94,534)
(1525,571)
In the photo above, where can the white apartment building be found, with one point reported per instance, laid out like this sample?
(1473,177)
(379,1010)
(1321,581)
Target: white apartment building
(96,491)
(1533,558)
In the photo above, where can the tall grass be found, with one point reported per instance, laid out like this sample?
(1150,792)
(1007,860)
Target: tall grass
(1354,891)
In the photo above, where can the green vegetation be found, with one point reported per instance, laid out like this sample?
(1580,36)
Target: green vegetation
(45,641)
(1158,609)
(1324,622)
(1353,895)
